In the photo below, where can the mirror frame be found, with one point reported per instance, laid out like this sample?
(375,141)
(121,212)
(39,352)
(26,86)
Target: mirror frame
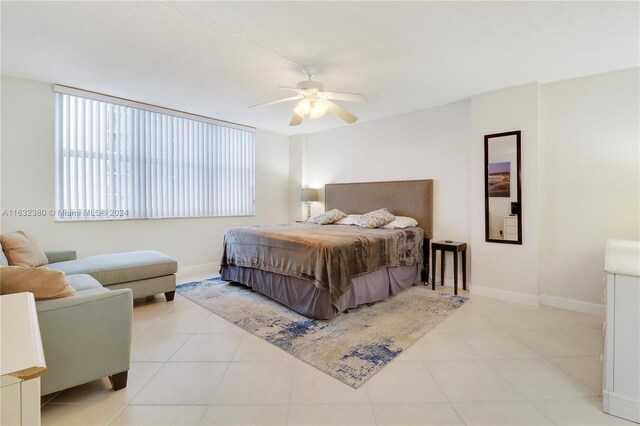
(488,238)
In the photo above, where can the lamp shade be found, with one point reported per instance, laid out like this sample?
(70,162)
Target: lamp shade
(309,194)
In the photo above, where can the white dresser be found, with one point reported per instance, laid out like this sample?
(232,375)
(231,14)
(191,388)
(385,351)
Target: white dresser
(22,361)
(510,228)
(621,393)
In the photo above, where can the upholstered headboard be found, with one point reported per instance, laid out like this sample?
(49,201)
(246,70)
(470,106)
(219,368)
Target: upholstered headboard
(413,198)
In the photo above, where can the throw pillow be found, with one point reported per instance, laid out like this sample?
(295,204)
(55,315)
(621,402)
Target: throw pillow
(328,218)
(22,249)
(44,283)
(375,219)
(401,222)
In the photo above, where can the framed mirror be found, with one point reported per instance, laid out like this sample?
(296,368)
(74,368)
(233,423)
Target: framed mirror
(502,189)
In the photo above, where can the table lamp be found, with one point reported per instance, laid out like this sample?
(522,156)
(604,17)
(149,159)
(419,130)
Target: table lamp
(309,195)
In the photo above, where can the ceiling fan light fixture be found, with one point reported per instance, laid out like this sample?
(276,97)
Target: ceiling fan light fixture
(303,108)
(314,102)
(318,109)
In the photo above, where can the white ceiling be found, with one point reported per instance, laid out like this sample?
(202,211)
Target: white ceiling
(404,56)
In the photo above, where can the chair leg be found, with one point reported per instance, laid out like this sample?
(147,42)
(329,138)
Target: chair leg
(169,295)
(119,381)
(433,268)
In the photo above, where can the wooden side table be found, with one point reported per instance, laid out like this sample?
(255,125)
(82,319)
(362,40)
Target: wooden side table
(454,247)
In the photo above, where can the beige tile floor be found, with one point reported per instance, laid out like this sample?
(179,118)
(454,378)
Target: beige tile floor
(491,362)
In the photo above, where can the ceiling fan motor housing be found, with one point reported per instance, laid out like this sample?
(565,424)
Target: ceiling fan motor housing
(310,84)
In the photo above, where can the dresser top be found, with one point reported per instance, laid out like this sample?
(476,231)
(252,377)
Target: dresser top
(623,257)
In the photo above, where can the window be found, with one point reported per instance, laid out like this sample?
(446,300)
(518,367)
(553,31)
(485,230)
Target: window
(116,159)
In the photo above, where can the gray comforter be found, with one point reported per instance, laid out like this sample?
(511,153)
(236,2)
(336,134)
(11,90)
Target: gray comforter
(327,255)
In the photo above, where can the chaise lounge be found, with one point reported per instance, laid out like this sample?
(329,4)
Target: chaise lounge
(145,272)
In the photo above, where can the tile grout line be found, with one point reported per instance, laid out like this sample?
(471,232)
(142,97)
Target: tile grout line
(541,412)
(116,415)
(213,393)
(540,356)
(455,410)
(448,401)
(164,363)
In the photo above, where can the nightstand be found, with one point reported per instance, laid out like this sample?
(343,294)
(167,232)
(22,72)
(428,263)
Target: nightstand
(454,247)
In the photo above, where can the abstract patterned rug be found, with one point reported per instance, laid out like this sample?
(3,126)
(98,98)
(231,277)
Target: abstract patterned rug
(351,347)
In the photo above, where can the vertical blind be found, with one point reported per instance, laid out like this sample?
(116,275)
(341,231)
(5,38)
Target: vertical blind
(117,161)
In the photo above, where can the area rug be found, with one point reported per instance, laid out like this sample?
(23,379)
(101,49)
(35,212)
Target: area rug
(352,347)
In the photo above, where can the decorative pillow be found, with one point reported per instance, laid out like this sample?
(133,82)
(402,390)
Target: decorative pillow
(349,220)
(401,222)
(375,219)
(328,218)
(22,249)
(44,283)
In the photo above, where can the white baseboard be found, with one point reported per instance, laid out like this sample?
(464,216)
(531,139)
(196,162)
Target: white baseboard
(571,304)
(621,406)
(543,299)
(509,296)
(203,268)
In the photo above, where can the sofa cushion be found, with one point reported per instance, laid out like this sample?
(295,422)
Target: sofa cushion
(42,282)
(85,284)
(119,268)
(21,249)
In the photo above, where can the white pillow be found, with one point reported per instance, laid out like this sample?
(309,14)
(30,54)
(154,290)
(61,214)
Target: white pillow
(401,222)
(349,220)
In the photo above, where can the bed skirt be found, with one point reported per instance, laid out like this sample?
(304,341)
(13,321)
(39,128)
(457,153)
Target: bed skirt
(306,299)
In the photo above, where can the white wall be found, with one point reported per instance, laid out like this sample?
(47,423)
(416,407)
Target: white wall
(27,181)
(506,270)
(590,182)
(428,144)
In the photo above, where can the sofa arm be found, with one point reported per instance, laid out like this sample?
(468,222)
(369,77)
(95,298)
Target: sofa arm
(85,337)
(55,256)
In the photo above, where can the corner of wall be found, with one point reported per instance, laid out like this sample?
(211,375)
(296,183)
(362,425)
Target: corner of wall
(508,272)
(297,160)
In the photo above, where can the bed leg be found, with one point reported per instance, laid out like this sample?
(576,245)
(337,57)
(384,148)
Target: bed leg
(424,276)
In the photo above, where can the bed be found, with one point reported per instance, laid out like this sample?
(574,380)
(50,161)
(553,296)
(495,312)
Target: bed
(322,270)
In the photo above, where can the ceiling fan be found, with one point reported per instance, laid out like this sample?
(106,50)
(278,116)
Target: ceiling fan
(315,101)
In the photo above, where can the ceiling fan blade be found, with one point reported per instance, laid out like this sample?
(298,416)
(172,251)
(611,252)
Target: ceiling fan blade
(290,88)
(349,97)
(295,120)
(292,98)
(342,113)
